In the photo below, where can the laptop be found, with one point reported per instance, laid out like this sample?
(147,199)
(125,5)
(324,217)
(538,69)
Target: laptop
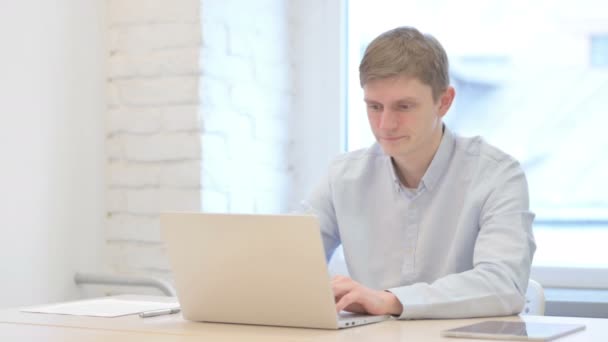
(253,269)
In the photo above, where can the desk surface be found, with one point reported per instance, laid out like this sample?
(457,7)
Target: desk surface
(18,325)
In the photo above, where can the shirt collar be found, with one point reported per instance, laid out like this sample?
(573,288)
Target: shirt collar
(391,167)
(438,164)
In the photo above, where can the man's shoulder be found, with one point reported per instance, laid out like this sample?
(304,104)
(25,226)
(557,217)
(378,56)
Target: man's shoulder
(478,147)
(358,159)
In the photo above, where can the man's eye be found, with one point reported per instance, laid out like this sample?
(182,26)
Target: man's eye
(373,107)
(405,107)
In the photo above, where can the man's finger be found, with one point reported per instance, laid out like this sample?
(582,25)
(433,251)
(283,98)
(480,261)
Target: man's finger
(338,278)
(345,301)
(341,290)
(343,286)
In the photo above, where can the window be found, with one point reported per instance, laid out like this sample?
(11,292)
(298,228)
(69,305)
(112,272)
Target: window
(527,79)
(599,50)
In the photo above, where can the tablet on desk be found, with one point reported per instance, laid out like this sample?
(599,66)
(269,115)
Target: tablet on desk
(519,331)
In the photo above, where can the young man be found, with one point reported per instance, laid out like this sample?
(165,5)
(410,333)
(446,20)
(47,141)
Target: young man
(433,225)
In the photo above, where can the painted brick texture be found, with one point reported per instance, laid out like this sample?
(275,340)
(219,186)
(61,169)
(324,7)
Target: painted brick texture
(199,95)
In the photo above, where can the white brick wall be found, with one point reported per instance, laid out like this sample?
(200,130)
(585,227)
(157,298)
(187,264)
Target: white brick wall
(123,12)
(214,105)
(153,126)
(154,91)
(245,101)
(199,96)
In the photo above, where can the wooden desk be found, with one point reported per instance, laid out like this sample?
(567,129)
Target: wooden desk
(16,325)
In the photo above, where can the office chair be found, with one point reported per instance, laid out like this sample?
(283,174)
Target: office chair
(535,299)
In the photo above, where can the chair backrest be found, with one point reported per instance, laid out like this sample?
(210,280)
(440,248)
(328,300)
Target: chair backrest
(535,299)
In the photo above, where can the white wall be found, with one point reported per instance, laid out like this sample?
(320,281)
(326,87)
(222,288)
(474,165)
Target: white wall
(153,142)
(215,105)
(318,48)
(51,143)
(241,118)
(247,94)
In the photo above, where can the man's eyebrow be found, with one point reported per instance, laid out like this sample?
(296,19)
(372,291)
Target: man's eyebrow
(404,99)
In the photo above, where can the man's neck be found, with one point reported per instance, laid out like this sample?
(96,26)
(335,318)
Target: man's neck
(411,168)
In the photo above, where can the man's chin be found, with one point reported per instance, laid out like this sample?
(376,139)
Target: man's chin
(392,150)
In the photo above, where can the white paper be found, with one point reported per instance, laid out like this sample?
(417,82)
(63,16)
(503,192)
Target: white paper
(103,307)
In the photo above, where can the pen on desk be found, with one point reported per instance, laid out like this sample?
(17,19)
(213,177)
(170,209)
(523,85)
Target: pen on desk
(160,312)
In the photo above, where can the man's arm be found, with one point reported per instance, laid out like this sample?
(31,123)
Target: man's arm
(501,260)
(349,295)
(321,205)
(495,285)
(354,297)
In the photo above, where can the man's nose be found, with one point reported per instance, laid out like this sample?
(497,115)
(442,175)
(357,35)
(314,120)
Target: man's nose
(388,119)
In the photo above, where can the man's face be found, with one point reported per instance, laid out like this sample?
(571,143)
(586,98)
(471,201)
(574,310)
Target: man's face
(403,116)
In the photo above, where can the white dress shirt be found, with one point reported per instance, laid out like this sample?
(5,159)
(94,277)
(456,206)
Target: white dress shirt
(460,245)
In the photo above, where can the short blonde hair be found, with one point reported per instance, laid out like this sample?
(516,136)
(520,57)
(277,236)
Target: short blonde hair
(406,51)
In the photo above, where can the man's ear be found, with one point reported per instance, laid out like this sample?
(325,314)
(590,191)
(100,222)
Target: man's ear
(445,100)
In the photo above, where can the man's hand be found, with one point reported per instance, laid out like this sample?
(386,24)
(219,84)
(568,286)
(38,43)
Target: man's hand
(354,297)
